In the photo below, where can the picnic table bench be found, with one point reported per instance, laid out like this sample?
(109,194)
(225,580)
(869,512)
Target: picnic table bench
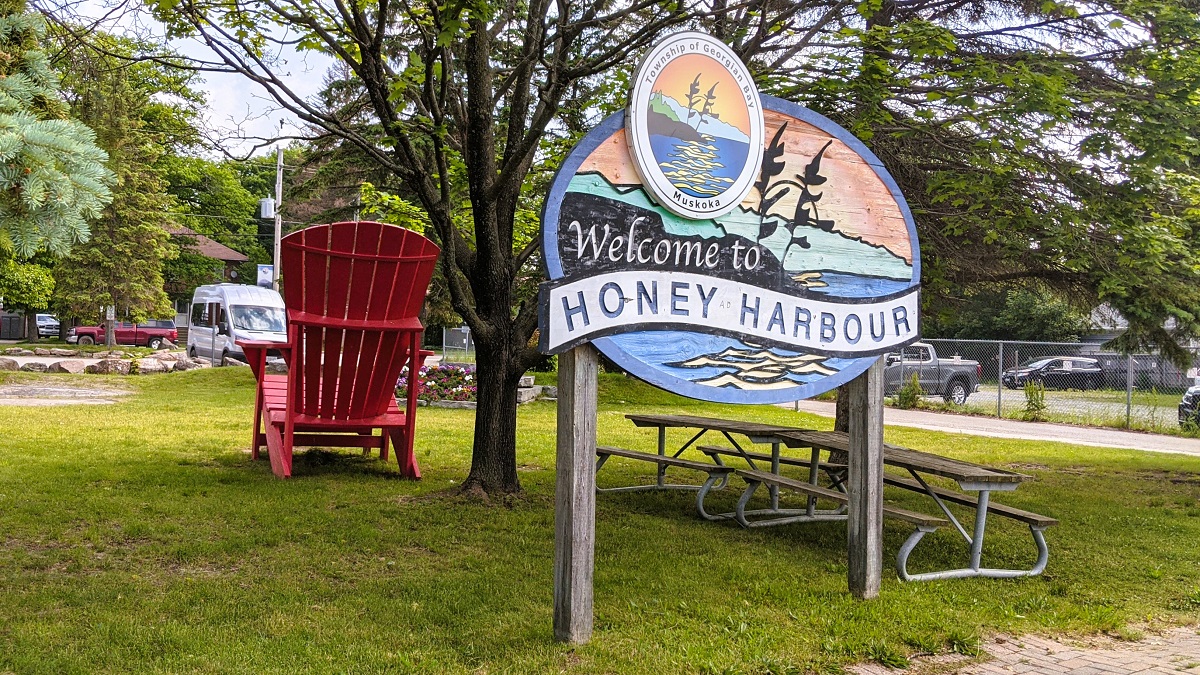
(969,477)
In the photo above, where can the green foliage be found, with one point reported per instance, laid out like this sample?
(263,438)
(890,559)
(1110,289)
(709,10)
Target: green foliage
(1066,160)
(1035,402)
(909,396)
(52,174)
(25,286)
(392,209)
(187,270)
(1034,314)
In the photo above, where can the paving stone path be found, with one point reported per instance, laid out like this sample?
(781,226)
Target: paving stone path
(1174,651)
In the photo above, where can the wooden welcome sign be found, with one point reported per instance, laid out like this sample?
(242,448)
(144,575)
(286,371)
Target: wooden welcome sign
(726,246)
(729,247)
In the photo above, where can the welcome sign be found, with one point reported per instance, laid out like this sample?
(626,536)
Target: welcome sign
(725,245)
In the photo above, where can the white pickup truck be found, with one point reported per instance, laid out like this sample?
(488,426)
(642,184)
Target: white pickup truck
(953,379)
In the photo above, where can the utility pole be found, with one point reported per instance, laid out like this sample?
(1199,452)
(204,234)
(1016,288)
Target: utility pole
(278,215)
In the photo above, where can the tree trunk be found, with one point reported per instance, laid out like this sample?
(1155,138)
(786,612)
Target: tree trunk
(110,333)
(494,451)
(31,327)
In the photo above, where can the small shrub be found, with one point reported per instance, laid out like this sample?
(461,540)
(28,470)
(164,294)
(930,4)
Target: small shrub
(910,394)
(1035,402)
(443,382)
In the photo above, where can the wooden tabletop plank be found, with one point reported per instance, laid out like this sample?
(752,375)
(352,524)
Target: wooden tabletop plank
(754,429)
(792,437)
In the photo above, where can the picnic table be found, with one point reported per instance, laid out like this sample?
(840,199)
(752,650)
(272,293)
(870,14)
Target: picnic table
(969,477)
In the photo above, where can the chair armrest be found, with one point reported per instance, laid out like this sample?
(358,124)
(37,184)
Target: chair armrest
(256,354)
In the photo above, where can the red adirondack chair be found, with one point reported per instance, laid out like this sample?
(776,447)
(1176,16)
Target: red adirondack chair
(353,292)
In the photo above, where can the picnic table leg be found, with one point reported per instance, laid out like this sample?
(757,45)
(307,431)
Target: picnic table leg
(813,470)
(662,452)
(980,523)
(774,489)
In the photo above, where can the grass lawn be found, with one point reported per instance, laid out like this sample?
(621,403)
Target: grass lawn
(140,537)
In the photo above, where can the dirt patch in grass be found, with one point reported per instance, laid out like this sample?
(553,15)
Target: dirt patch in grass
(42,392)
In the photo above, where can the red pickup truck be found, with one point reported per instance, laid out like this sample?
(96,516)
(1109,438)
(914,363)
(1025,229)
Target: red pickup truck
(149,334)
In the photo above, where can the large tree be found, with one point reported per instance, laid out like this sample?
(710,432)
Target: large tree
(122,263)
(1036,140)
(52,174)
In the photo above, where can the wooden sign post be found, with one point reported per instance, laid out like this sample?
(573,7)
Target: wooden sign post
(864,527)
(575,495)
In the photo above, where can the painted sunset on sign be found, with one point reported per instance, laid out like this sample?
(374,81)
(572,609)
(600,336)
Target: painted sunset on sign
(699,125)
(825,223)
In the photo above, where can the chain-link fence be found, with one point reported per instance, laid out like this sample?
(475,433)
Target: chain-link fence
(1079,383)
(457,345)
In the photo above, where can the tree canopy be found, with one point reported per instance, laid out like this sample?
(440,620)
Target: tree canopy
(1047,142)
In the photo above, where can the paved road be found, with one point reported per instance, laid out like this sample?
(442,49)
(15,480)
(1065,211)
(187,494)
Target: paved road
(1034,431)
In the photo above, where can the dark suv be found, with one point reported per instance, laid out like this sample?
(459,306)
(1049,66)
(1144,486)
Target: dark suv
(1189,407)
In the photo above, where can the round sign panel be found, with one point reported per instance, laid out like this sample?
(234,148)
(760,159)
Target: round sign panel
(694,126)
(794,288)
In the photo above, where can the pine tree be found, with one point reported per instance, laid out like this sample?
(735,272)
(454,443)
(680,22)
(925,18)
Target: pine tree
(122,263)
(52,174)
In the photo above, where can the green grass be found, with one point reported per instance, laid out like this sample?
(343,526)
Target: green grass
(140,537)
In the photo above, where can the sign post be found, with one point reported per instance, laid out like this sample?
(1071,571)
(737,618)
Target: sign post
(575,495)
(728,247)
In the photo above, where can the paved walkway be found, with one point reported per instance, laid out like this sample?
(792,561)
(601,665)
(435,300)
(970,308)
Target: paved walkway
(1175,651)
(1034,431)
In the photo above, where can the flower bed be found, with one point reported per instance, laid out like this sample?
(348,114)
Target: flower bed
(443,382)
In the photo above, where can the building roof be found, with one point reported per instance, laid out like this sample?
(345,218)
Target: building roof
(205,246)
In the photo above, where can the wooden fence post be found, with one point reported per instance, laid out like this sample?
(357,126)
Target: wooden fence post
(864,528)
(575,495)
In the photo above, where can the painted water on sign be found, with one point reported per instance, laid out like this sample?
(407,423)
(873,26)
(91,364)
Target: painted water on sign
(697,152)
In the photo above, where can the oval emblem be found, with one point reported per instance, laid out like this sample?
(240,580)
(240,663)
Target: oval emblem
(695,128)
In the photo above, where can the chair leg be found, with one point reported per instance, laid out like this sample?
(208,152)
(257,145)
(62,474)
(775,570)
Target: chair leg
(384,437)
(259,414)
(404,453)
(279,449)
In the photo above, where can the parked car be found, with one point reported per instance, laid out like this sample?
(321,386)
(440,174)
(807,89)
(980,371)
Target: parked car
(225,313)
(150,334)
(47,325)
(954,379)
(1057,372)
(1189,406)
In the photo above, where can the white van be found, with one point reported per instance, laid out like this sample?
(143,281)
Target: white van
(224,313)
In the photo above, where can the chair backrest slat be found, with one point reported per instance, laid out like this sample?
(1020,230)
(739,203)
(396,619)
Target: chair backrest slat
(348,272)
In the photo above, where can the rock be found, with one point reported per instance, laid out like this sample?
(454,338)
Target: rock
(151,367)
(184,363)
(277,368)
(111,367)
(41,351)
(168,356)
(461,405)
(167,344)
(9,364)
(230,361)
(525,381)
(34,367)
(17,351)
(64,352)
(74,367)
(527,394)
(550,392)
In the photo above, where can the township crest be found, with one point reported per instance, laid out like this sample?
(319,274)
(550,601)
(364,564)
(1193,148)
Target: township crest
(763,267)
(694,126)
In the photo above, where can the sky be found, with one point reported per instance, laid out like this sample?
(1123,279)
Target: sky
(236,106)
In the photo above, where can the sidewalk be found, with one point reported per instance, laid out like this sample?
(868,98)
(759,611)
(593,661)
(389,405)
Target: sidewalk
(1175,651)
(1034,431)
